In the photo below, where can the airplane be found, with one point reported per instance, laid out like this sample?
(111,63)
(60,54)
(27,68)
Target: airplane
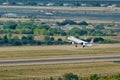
(76,41)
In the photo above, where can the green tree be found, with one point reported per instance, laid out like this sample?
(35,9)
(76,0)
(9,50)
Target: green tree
(1,30)
(59,40)
(52,31)
(59,78)
(23,31)
(1,41)
(28,24)
(51,39)
(109,32)
(56,31)
(74,31)
(100,27)
(7,30)
(9,25)
(43,26)
(83,32)
(71,22)
(112,24)
(17,42)
(9,35)
(117,76)
(83,23)
(61,32)
(5,39)
(51,78)
(46,38)
(40,31)
(97,33)
(30,37)
(94,77)
(24,40)
(77,31)
(70,76)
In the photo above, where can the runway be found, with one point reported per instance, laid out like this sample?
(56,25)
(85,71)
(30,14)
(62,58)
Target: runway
(59,60)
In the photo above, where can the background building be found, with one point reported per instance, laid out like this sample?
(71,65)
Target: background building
(62,2)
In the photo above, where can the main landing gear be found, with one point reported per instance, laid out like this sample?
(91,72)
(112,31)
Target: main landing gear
(76,45)
(83,46)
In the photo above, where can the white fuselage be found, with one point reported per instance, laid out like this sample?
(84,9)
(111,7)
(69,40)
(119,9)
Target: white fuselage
(78,41)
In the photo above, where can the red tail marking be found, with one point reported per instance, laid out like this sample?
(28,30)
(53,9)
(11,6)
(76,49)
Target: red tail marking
(92,40)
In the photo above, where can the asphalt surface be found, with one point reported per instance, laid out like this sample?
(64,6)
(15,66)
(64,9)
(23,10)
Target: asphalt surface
(108,15)
(59,60)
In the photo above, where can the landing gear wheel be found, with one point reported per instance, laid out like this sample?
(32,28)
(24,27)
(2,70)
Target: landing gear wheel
(83,46)
(76,46)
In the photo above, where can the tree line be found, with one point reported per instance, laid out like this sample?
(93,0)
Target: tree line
(30,27)
(72,76)
(9,40)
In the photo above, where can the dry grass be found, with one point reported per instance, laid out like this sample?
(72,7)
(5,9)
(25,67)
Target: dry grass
(102,21)
(28,52)
(62,8)
(14,19)
(38,71)
(56,20)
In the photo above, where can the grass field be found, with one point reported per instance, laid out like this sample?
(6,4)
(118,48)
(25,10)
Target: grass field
(44,71)
(28,52)
(55,70)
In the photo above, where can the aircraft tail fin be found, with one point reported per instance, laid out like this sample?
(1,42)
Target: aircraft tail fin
(90,43)
(92,40)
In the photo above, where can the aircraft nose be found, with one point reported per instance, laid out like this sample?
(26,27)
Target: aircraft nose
(68,38)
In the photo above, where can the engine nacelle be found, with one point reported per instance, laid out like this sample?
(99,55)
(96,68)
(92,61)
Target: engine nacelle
(73,43)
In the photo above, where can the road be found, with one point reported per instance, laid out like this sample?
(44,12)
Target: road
(59,60)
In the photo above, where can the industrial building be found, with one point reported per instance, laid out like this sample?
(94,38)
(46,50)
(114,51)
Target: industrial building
(61,2)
